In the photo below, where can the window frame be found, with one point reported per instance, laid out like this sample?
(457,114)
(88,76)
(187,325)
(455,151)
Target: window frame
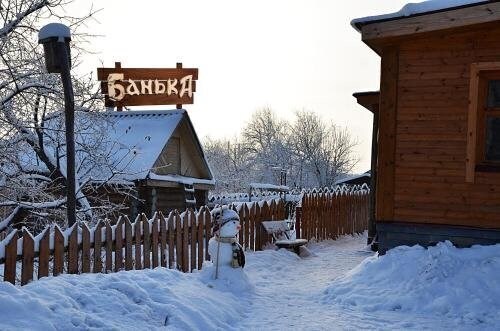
(480,74)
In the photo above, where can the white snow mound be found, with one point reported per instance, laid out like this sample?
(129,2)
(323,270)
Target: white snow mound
(443,280)
(131,300)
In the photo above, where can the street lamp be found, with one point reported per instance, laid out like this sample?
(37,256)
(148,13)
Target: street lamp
(55,38)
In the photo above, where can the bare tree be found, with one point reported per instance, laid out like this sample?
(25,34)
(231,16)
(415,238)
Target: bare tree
(32,173)
(312,152)
(323,150)
(266,139)
(230,162)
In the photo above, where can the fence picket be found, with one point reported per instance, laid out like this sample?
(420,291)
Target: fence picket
(138,242)
(109,247)
(44,254)
(58,252)
(129,265)
(178,242)
(208,231)
(73,250)
(171,240)
(163,240)
(241,214)
(97,248)
(193,228)
(28,257)
(199,241)
(85,248)
(246,227)
(185,238)
(146,243)
(251,227)
(119,245)
(10,260)
(154,240)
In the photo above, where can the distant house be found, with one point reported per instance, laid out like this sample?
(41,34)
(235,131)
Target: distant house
(161,155)
(438,120)
(358,179)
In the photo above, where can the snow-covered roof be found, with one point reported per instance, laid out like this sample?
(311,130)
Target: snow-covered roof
(129,144)
(272,187)
(141,136)
(348,177)
(415,9)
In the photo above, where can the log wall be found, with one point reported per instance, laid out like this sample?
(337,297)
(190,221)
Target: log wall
(431,132)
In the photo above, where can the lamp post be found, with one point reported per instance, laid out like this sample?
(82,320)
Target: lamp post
(55,38)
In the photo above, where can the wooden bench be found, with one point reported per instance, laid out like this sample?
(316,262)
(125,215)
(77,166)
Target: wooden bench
(281,235)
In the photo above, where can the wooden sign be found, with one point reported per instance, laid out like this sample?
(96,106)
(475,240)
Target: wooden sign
(147,86)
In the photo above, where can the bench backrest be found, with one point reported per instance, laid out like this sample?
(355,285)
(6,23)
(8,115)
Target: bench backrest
(278,229)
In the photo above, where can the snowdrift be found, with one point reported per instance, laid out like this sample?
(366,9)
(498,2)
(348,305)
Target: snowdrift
(131,300)
(444,281)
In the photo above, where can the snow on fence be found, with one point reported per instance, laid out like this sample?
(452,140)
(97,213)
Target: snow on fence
(178,241)
(328,213)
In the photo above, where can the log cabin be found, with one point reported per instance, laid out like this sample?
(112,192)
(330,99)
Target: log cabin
(161,155)
(436,146)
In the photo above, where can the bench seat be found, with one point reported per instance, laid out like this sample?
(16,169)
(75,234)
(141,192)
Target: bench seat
(281,235)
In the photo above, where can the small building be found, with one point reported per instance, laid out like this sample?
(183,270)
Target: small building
(161,155)
(437,152)
(358,179)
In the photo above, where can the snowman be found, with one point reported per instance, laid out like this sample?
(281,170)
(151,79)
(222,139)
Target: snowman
(223,247)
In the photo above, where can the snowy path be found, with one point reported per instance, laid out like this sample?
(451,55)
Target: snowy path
(289,292)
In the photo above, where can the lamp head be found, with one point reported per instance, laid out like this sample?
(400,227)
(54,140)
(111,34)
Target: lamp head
(55,38)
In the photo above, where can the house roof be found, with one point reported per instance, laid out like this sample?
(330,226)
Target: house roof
(417,9)
(349,178)
(129,142)
(432,16)
(141,136)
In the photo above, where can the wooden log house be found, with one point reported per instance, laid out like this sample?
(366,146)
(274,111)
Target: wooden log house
(436,152)
(160,154)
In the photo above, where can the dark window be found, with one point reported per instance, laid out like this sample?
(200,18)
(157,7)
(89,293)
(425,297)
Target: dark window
(493,94)
(492,152)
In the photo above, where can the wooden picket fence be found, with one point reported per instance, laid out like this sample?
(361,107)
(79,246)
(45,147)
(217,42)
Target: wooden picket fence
(329,213)
(178,241)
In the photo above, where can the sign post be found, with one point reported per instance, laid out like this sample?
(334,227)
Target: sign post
(147,86)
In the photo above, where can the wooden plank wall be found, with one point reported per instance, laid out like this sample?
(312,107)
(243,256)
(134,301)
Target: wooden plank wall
(430,154)
(327,214)
(177,241)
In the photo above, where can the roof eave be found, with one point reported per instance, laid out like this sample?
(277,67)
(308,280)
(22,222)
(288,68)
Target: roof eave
(376,33)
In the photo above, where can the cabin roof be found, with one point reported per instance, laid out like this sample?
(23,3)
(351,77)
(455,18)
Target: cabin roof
(130,141)
(416,9)
(433,16)
(142,136)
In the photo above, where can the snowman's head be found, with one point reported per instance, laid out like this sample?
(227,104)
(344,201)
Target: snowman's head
(226,222)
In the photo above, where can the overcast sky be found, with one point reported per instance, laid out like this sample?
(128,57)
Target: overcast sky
(283,54)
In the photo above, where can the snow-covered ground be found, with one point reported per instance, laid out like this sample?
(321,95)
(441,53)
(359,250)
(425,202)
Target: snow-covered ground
(342,286)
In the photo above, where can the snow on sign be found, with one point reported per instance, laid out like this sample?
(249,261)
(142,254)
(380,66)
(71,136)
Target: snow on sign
(147,86)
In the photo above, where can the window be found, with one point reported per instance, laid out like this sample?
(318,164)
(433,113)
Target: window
(483,136)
